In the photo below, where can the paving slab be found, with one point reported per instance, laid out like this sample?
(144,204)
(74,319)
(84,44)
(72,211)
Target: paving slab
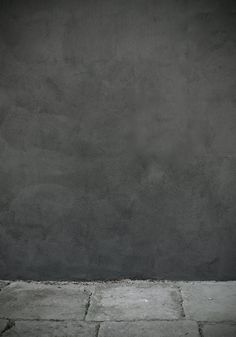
(134,301)
(51,329)
(210,301)
(219,330)
(149,329)
(22,300)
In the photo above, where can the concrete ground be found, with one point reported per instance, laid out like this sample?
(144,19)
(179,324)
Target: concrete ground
(118,309)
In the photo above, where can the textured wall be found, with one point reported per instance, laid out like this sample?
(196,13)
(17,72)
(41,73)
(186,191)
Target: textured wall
(117,139)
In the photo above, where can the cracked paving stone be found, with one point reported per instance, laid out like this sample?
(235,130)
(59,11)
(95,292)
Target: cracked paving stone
(133,301)
(209,301)
(219,330)
(22,300)
(149,329)
(51,329)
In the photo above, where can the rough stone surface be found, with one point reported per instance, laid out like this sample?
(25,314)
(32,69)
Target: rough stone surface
(137,300)
(117,139)
(40,301)
(149,329)
(51,329)
(219,330)
(210,301)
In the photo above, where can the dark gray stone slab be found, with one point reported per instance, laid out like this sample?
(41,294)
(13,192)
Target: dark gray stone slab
(149,329)
(134,300)
(40,301)
(51,329)
(117,139)
(210,301)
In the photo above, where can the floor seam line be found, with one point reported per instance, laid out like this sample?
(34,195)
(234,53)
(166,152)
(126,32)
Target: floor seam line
(88,305)
(97,330)
(10,323)
(200,330)
(181,302)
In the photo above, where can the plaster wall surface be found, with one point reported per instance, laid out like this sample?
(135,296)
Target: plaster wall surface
(117,139)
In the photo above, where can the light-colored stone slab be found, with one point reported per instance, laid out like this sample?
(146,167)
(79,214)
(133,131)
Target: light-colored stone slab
(149,329)
(210,301)
(219,330)
(134,301)
(3,323)
(51,329)
(40,301)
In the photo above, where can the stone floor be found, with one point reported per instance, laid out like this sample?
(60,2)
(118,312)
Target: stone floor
(118,309)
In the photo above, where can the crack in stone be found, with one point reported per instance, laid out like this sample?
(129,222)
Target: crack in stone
(87,306)
(9,325)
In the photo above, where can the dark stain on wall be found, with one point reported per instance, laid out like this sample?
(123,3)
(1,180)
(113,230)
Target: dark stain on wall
(117,139)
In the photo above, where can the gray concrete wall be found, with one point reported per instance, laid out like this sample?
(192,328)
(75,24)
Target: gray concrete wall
(117,139)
